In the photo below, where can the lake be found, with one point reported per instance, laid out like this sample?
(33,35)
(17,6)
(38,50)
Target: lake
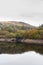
(20,54)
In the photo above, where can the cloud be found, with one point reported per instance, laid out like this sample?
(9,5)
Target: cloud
(24,10)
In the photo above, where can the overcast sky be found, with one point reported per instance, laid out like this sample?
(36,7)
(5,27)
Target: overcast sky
(30,11)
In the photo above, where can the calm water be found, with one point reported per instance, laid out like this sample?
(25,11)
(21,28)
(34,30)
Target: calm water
(21,54)
(28,58)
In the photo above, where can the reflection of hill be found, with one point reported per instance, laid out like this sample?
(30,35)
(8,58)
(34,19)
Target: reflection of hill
(15,48)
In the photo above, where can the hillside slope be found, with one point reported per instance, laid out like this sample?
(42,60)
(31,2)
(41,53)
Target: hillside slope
(15,25)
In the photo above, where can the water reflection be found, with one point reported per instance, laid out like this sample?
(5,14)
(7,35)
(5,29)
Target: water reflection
(16,48)
(28,58)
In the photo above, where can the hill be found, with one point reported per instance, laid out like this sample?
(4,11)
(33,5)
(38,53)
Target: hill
(14,25)
(41,27)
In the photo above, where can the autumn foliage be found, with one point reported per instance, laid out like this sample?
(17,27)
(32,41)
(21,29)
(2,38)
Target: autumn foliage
(34,34)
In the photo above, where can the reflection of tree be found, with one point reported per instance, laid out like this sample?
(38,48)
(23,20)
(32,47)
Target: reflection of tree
(14,48)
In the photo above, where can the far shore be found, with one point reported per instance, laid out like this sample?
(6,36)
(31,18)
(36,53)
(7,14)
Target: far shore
(27,41)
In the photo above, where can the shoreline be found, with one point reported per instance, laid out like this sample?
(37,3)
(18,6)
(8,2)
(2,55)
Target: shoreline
(27,41)
(33,41)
